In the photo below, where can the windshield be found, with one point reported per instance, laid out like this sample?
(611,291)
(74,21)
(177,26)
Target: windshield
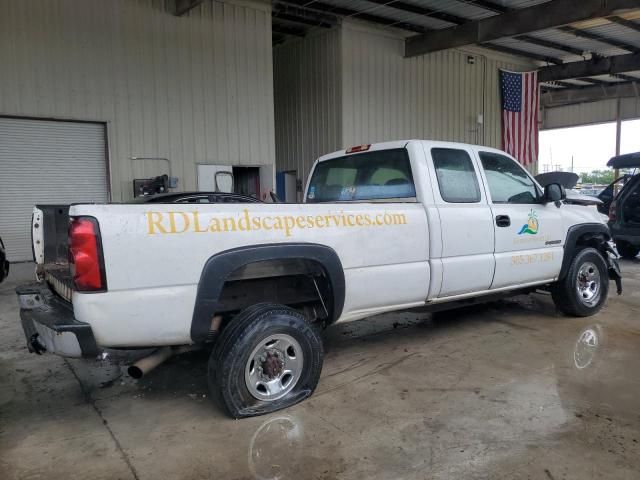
(382,174)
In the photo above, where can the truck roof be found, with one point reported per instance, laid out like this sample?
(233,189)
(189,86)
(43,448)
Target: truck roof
(403,143)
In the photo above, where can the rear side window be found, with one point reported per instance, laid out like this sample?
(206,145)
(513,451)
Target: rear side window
(508,181)
(383,174)
(457,178)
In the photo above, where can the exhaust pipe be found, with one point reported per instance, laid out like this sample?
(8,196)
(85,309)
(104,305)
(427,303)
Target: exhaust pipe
(143,366)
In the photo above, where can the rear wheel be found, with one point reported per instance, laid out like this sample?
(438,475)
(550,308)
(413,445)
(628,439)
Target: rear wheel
(626,250)
(585,287)
(267,359)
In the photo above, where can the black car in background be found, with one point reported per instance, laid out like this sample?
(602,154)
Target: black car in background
(606,195)
(624,208)
(4,263)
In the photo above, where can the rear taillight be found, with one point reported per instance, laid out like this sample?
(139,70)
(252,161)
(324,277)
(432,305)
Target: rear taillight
(85,255)
(612,211)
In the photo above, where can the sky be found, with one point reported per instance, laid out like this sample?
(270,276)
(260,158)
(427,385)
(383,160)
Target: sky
(591,146)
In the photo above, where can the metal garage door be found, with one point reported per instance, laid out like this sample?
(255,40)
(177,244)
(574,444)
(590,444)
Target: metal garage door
(43,161)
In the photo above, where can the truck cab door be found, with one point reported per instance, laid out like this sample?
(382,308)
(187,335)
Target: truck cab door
(529,234)
(466,223)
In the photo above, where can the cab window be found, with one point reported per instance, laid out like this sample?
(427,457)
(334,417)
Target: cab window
(457,178)
(383,174)
(508,181)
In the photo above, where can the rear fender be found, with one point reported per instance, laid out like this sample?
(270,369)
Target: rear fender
(219,268)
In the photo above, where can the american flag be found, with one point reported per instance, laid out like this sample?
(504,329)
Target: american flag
(520,115)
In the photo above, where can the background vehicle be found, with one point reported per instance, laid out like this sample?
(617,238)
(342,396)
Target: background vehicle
(591,191)
(624,209)
(606,196)
(385,227)
(4,263)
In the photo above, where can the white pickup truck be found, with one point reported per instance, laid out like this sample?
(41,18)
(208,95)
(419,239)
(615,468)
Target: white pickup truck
(384,227)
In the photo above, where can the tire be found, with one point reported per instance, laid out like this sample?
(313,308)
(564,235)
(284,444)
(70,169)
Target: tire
(626,250)
(268,358)
(584,296)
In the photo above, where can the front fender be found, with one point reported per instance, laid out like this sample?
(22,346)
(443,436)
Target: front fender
(598,236)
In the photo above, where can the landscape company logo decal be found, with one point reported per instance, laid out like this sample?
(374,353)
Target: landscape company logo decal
(245,221)
(531,227)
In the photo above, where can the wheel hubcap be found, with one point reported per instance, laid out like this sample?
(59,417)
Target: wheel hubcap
(588,284)
(274,367)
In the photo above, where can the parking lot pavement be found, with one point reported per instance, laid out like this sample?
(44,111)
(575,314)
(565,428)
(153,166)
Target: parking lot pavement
(507,390)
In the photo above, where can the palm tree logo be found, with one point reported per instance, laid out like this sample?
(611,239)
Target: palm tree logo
(531,227)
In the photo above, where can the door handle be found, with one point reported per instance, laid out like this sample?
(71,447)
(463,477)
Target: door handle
(503,221)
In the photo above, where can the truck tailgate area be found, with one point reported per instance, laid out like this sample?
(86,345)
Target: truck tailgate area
(49,324)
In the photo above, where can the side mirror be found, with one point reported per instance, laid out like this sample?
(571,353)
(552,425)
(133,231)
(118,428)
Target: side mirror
(554,192)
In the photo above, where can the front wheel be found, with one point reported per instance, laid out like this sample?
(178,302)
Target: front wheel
(584,289)
(267,359)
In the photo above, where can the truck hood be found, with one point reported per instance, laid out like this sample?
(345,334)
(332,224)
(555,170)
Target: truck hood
(566,179)
(577,198)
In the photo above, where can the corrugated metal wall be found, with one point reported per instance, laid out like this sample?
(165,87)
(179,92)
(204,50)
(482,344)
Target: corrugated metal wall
(193,89)
(352,85)
(589,113)
(307,100)
(435,96)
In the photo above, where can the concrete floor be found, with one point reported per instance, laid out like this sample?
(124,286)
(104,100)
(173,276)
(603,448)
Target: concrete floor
(506,391)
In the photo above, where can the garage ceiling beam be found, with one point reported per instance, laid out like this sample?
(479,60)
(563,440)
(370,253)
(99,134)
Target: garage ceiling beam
(554,86)
(627,23)
(301,19)
(184,6)
(590,68)
(515,22)
(600,38)
(593,81)
(347,12)
(628,78)
(521,53)
(568,96)
(567,84)
(491,6)
(418,10)
(549,44)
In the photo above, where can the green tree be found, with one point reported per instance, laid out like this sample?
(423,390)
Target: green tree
(600,177)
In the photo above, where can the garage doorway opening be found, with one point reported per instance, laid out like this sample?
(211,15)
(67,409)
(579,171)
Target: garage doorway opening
(587,148)
(246,181)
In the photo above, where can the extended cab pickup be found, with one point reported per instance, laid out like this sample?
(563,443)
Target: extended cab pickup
(384,227)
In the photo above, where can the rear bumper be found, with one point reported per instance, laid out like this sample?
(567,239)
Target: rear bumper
(49,324)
